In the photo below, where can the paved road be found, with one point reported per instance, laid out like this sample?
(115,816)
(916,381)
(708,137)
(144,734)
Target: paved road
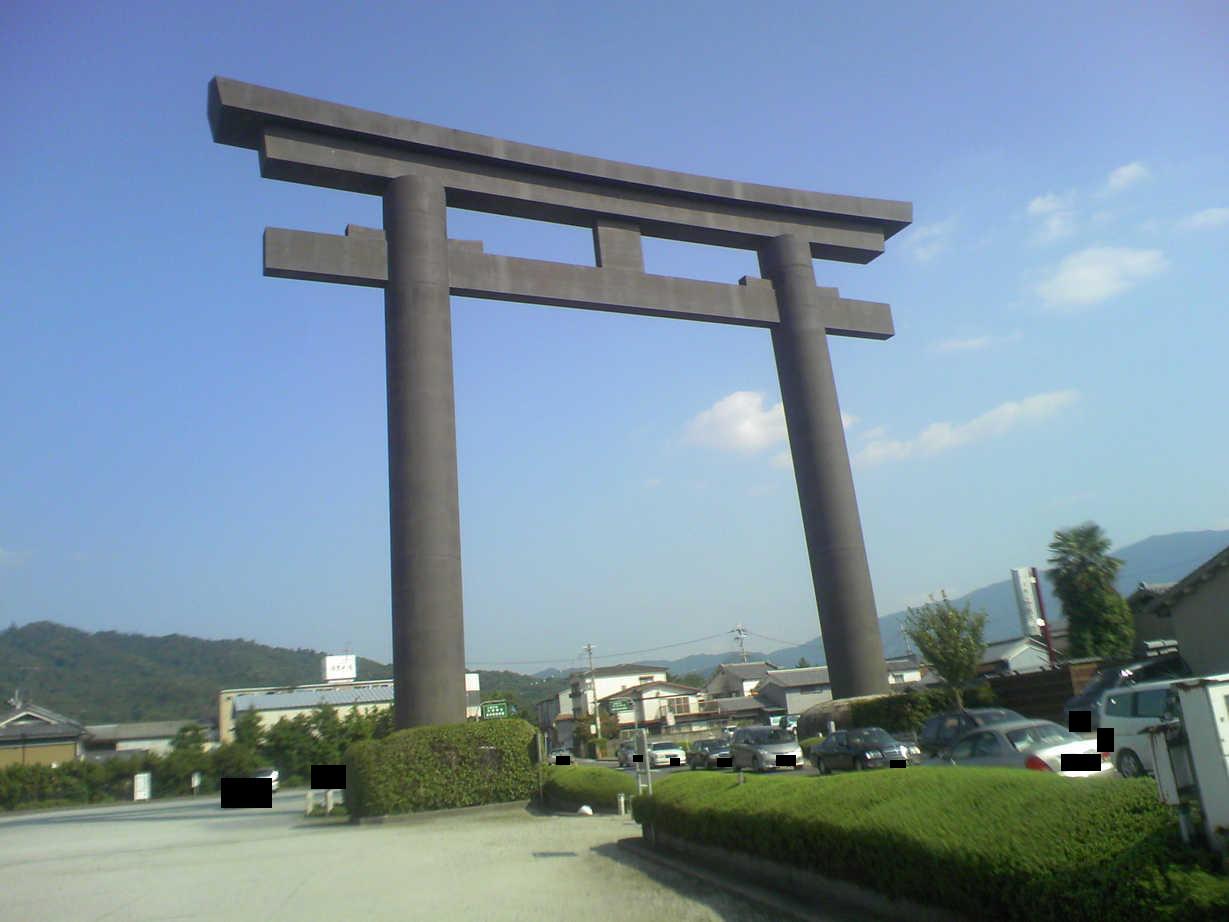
(191,860)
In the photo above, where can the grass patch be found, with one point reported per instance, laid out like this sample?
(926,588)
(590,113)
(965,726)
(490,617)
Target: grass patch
(569,787)
(987,843)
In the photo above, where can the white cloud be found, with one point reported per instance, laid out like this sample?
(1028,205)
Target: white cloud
(926,241)
(1125,176)
(742,423)
(1098,273)
(1057,214)
(739,422)
(877,432)
(940,437)
(1047,204)
(1206,219)
(974,343)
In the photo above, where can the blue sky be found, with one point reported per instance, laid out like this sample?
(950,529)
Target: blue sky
(190,447)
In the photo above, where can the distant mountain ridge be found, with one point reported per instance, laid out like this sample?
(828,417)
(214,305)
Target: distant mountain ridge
(107,676)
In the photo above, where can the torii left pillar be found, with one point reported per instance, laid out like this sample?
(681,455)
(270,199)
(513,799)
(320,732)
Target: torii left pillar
(424,505)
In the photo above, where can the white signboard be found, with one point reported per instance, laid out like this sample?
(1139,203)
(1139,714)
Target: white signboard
(141,786)
(341,668)
(1026,601)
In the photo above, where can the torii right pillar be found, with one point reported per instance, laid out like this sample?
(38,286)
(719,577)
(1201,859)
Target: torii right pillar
(840,573)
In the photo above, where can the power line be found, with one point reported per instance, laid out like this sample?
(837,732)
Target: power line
(562,659)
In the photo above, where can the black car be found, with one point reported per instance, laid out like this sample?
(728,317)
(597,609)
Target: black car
(857,750)
(1168,666)
(705,753)
(940,731)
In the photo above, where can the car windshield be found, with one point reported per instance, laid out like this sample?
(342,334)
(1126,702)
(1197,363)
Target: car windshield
(665,745)
(1039,736)
(871,736)
(766,737)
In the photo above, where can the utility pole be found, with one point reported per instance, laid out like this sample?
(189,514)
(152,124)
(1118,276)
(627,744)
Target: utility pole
(592,685)
(740,632)
(905,635)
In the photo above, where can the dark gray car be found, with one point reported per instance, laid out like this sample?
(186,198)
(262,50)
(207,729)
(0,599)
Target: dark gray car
(941,730)
(857,750)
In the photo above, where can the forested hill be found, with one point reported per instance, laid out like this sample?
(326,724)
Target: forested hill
(111,677)
(108,677)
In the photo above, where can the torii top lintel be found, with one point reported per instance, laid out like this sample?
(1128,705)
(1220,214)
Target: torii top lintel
(311,141)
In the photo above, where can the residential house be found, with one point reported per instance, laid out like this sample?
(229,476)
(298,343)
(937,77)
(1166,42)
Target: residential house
(587,688)
(1150,623)
(35,735)
(653,704)
(107,741)
(555,718)
(792,691)
(1198,606)
(736,680)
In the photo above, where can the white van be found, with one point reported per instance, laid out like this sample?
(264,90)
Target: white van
(1127,711)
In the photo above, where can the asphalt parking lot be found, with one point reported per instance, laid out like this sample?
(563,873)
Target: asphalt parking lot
(188,859)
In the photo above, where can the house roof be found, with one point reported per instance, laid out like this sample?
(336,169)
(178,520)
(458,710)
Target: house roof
(1007,649)
(747,670)
(309,698)
(741,704)
(32,722)
(143,730)
(1163,604)
(624,692)
(636,669)
(794,678)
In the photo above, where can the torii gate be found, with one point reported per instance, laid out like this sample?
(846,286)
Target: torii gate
(419,170)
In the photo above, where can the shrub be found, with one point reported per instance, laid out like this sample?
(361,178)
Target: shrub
(906,711)
(988,843)
(431,768)
(572,786)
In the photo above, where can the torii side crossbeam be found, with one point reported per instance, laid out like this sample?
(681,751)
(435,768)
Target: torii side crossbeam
(419,170)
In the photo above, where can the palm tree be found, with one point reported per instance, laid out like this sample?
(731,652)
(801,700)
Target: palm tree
(1098,618)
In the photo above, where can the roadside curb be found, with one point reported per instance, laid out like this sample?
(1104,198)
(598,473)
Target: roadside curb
(420,816)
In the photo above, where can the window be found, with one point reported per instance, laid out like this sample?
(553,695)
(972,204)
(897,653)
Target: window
(1150,703)
(1118,706)
(679,705)
(987,744)
(964,749)
(645,678)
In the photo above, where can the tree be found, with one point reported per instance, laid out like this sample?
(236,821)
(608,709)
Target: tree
(189,738)
(1098,618)
(804,663)
(950,640)
(692,679)
(249,730)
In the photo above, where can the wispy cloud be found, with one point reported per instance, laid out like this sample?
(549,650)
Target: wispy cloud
(1055,214)
(973,343)
(1098,273)
(926,241)
(1126,176)
(742,422)
(940,437)
(1206,219)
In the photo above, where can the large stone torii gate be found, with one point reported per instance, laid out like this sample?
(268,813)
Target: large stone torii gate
(419,170)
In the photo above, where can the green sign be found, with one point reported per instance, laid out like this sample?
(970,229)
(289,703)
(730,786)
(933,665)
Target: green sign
(491,709)
(618,705)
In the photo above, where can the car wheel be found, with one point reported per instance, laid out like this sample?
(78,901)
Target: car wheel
(823,767)
(1129,765)
(858,765)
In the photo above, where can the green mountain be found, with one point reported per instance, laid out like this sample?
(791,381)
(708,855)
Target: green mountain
(108,677)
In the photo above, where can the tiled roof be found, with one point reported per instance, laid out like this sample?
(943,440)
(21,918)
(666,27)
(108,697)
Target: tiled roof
(742,703)
(309,698)
(794,678)
(624,692)
(145,730)
(41,731)
(43,715)
(747,670)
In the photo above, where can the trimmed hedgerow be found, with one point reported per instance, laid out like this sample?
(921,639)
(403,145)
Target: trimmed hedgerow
(432,768)
(569,787)
(986,843)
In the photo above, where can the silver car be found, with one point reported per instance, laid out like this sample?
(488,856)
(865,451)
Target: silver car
(1036,744)
(757,748)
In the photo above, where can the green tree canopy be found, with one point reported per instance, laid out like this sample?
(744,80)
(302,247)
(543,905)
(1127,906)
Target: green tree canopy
(950,640)
(1098,619)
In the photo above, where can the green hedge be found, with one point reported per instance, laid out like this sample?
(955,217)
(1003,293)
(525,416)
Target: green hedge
(986,843)
(906,711)
(569,787)
(432,768)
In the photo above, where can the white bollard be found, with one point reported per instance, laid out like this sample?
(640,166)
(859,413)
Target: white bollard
(622,806)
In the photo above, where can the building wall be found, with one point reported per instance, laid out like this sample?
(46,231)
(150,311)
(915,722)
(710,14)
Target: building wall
(38,753)
(1201,623)
(798,701)
(582,701)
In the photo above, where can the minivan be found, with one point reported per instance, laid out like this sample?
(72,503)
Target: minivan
(757,748)
(1127,710)
(1155,669)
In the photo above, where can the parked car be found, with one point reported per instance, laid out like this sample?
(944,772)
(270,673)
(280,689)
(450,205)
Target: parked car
(1035,744)
(857,750)
(704,753)
(757,748)
(559,751)
(941,730)
(1168,666)
(661,753)
(270,773)
(624,753)
(1127,711)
